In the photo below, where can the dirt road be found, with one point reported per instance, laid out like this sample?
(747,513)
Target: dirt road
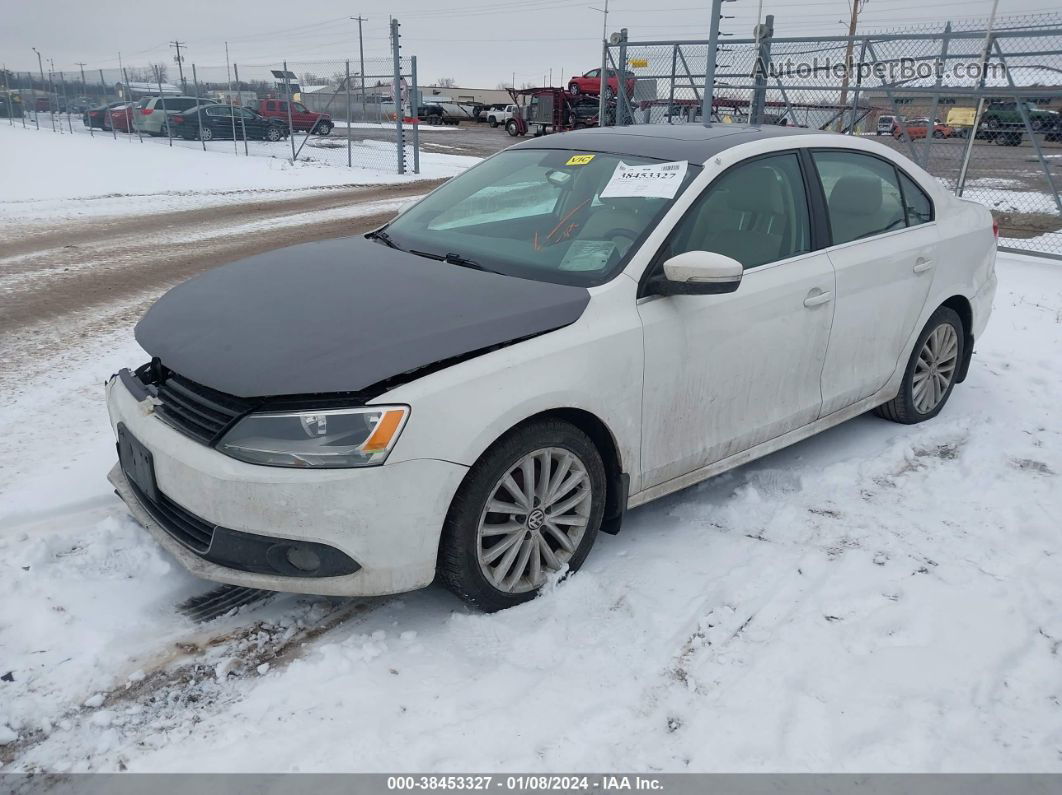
(65,281)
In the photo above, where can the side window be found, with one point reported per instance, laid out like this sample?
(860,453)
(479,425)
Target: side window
(593,73)
(299,107)
(756,212)
(917,206)
(862,195)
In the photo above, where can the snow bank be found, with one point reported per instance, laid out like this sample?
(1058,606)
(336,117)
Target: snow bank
(48,174)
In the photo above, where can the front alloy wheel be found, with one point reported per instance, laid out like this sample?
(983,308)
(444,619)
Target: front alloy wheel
(534,519)
(530,507)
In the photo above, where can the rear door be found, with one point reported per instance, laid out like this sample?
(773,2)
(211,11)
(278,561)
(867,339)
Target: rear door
(885,245)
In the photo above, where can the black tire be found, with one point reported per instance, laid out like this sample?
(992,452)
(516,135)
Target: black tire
(493,122)
(902,408)
(573,89)
(458,564)
(511,128)
(323,128)
(206,134)
(273,134)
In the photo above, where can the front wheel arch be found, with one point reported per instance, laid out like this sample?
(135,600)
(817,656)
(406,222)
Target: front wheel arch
(617,480)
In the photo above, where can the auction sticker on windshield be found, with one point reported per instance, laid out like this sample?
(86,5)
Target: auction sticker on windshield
(655,181)
(579,160)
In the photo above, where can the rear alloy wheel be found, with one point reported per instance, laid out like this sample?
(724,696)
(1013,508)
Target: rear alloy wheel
(206,134)
(323,128)
(529,508)
(931,371)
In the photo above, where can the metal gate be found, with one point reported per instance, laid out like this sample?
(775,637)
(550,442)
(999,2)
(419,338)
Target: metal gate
(977,108)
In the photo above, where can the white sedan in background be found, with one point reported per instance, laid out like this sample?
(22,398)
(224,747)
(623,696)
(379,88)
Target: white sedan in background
(578,325)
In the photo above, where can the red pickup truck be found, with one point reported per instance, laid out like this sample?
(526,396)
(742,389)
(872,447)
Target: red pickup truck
(301,117)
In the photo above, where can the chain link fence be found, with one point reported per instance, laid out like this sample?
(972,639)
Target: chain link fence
(358,113)
(979,109)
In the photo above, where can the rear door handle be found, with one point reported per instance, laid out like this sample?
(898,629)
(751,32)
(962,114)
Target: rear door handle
(922,264)
(814,299)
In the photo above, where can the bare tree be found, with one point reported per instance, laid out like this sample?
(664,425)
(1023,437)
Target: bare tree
(446,82)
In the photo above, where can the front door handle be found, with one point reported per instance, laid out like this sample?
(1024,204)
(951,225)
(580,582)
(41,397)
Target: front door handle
(815,299)
(922,264)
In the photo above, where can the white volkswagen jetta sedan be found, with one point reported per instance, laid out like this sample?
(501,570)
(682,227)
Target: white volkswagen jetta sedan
(576,326)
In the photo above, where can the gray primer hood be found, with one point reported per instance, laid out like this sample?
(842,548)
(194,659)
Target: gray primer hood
(341,316)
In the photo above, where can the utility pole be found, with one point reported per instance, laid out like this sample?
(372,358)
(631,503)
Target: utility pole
(180,62)
(84,85)
(853,23)
(603,79)
(361,61)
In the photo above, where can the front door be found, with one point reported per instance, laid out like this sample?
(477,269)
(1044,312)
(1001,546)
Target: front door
(726,372)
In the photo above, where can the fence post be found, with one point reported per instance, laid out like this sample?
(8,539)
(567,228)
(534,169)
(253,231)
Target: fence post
(162,98)
(22,101)
(936,97)
(128,110)
(764,32)
(198,113)
(287,104)
(7,98)
(858,88)
(107,113)
(985,56)
(232,114)
(414,102)
(239,96)
(66,101)
(623,117)
(396,92)
(709,65)
(350,121)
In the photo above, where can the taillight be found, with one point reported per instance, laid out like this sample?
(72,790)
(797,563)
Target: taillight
(146,111)
(93,114)
(995,229)
(178,119)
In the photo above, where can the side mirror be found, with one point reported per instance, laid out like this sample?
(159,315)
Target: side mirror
(698,273)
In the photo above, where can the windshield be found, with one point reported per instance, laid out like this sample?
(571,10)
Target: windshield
(547,214)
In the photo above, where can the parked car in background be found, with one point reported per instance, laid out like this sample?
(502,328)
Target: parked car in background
(211,121)
(302,118)
(100,116)
(10,106)
(150,114)
(886,124)
(1003,115)
(471,393)
(122,117)
(487,109)
(919,128)
(500,114)
(590,83)
(430,114)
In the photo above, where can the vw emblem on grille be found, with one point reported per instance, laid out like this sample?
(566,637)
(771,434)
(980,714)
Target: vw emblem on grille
(536,519)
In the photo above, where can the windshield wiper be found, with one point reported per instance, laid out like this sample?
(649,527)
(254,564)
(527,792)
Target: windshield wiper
(384,238)
(453,259)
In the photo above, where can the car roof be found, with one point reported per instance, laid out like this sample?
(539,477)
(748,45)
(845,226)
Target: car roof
(693,142)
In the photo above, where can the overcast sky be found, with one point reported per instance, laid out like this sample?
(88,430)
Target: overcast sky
(477,42)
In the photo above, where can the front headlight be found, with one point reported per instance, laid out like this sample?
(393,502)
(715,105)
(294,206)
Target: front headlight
(328,438)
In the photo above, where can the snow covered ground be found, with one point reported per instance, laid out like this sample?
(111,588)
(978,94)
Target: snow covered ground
(47,175)
(879,597)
